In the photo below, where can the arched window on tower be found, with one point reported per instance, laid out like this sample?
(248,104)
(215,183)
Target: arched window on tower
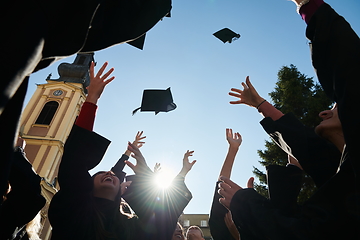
(47,113)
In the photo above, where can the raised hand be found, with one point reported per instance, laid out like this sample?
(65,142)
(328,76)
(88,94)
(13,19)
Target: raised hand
(141,167)
(234,139)
(157,167)
(187,165)
(228,188)
(98,82)
(137,142)
(248,95)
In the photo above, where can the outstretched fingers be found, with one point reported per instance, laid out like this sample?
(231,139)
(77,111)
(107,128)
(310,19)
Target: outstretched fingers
(138,139)
(230,183)
(227,189)
(236,93)
(107,73)
(248,83)
(91,70)
(224,190)
(101,70)
(188,153)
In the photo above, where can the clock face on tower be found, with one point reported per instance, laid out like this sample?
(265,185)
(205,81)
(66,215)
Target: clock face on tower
(57,93)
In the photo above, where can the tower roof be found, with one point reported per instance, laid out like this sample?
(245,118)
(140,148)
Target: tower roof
(76,72)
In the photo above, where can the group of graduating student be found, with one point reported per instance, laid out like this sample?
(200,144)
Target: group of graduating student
(109,205)
(327,154)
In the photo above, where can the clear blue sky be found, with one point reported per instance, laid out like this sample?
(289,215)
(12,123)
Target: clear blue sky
(180,52)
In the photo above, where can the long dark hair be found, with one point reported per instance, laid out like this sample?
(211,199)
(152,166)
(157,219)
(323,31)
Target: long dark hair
(122,223)
(122,220)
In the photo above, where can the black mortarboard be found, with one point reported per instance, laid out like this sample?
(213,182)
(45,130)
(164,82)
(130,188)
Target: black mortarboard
(138,43)
(226,35)
(155,100)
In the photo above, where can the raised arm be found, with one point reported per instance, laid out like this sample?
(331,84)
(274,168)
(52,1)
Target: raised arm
(234,140)
(84,149)
(187,165)
(97,85)
(160,211)
(138,142)
(120,164)
(141,166)
(221,227)
(98,82)
(249,96)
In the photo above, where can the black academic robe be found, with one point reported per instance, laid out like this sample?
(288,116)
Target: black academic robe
(37,33)
(218,228)
(330,212)
(73,210)
(335,49)
(284,184)
(166,205)
(333,212)
(174,199)
(23,202)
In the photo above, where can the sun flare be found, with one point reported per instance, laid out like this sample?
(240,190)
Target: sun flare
(163,179)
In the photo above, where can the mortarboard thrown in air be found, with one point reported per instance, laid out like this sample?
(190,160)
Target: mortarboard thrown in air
(156,100)
(226,35)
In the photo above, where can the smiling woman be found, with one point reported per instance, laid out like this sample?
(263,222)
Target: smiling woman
(106,185)
(93,207)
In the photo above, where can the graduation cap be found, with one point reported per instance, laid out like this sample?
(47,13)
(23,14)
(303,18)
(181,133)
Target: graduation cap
(226,35)
(138,42)
(155,100)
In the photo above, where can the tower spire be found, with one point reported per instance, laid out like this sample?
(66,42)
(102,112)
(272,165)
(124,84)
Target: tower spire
(76,72)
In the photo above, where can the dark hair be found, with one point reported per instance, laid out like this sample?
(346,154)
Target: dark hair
(121,227)
(119,220)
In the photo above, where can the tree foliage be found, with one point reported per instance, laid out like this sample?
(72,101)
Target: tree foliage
(299,94)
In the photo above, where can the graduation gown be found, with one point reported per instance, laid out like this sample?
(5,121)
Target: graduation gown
(23,202)
(37,33)
(218,227)
(284,184)
(73,210)
(335,49)
(333,212)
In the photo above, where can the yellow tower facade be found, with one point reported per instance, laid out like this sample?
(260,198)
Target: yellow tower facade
(47,121)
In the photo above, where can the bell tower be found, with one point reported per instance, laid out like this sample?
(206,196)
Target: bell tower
(50,114)
(47,121)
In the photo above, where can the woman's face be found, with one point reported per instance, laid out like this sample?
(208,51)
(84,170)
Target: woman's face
(106,185)
(330,122)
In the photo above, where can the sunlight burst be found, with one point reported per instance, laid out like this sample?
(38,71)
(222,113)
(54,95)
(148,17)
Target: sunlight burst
(163,179)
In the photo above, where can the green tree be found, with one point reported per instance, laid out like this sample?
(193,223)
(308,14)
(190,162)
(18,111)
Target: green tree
(299,94)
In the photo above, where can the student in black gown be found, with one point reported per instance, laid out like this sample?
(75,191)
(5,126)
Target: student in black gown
(23,201)
(333,211)
(36,37)
(220,222)
(91,207)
